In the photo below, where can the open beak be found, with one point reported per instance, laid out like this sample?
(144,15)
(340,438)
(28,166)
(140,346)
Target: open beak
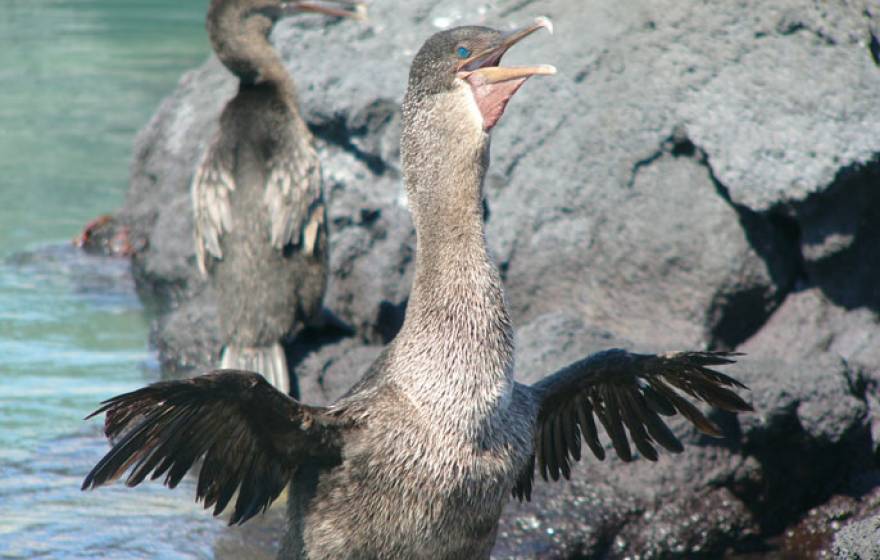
(494,85)
(336,8)
(483,66)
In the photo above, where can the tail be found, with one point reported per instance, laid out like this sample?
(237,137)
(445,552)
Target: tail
(267,360)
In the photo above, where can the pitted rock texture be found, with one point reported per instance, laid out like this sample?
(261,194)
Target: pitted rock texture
(698,175)
(859,540)
(808,439)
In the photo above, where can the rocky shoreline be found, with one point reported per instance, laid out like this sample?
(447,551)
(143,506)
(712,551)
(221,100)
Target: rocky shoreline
(699,175)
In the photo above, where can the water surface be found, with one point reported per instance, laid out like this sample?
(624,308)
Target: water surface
(79,78)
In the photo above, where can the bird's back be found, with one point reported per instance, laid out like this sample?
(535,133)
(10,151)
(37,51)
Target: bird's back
(266,284)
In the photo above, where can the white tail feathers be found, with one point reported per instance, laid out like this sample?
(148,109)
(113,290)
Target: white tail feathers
(269,361)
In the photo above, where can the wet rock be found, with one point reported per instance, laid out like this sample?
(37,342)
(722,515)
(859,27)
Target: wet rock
(702,524)
(105,236)
(561,523)
(812,537)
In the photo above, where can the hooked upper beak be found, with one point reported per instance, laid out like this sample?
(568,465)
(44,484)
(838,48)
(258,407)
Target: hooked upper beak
(337,8)
(482,68)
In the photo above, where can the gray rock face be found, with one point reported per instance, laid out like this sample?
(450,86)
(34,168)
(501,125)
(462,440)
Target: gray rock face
(859,540)
(699,174)
(654,209)
(158,209)
(808,326)
(326,374)
(808,436)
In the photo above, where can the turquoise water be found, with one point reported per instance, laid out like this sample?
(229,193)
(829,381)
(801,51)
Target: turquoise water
(78,78)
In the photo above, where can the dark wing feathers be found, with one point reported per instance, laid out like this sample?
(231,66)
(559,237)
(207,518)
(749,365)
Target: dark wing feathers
(250,436)
(588,426)
(572,434)
(609,415)
(628,393)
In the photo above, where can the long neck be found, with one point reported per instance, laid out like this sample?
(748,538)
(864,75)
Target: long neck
(455,348)
(243,47)
(452,263)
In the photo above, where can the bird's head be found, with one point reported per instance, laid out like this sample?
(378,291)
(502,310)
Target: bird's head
(239,29)
(457,92)
(465,62)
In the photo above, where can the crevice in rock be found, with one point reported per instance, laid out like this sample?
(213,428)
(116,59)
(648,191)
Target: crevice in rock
(591,66)
(676,144)
(297,348)
(337,133)
(604,546)
(642,163)
(799,473)
(788,233)
(736,316)
(681,146)
(504,263)
(771,234)
(790,26)
(839,227)
(746,313)
(390,319)
(874,48)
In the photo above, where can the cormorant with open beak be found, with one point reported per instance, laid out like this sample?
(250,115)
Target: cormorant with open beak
(418,458)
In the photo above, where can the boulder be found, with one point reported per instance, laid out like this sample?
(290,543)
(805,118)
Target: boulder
(808,325)
(859,540)
(808,438)
(830,530)
(700,199)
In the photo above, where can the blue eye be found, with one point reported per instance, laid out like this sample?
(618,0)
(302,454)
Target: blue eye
(463,52)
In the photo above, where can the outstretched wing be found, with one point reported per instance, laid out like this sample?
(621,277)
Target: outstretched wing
(211,186)
(627,393)
(251,436)
(294,199)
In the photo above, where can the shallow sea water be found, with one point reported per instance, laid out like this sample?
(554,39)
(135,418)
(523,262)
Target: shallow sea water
(78,78)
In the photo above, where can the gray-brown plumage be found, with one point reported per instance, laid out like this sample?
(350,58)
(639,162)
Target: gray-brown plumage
(257,196)
(418,458)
